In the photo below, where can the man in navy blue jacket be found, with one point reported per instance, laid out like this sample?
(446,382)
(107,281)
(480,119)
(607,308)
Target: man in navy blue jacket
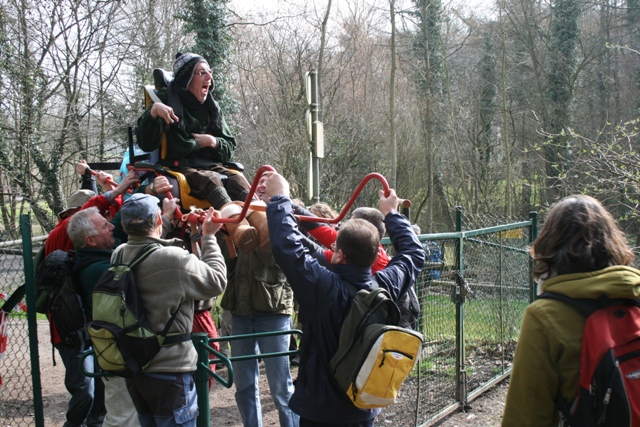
(325,299)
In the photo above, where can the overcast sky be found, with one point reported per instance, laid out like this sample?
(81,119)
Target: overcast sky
(253,8)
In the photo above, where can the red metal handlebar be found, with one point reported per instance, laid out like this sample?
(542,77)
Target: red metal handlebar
(385,186)
(252,191)
(109,180)
(198,216)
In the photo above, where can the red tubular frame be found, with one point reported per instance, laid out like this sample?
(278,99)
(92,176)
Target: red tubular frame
(198,217)
(385,186)
(109,180)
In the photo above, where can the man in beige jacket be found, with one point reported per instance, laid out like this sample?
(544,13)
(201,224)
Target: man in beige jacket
(169,281)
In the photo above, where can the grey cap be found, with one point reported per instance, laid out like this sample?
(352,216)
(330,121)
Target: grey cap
(139,207)
(76,200)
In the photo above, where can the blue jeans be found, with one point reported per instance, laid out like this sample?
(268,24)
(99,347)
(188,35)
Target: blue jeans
(80,386)
(277,368)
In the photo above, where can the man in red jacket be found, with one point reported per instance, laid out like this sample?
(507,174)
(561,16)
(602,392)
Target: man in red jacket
(86,406)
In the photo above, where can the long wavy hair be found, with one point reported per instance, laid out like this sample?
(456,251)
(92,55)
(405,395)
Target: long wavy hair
(579,236)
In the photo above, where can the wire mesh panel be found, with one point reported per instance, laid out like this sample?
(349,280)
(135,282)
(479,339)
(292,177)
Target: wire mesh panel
(472,301)
(497,280)
(437,367)
(16,393)
(431,386)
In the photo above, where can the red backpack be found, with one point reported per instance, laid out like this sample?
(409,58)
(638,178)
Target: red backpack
(609,392)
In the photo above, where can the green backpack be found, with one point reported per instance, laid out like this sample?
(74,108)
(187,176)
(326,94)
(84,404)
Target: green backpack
(374,354)
(122,338)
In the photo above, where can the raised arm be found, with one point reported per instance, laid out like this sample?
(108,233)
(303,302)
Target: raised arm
(305,275)
(404,268)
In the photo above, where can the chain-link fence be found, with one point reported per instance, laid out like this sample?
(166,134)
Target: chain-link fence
(17,392)
(473,293)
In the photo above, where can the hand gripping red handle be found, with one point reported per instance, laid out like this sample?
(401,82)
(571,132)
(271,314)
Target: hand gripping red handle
(109,180)
(153,168)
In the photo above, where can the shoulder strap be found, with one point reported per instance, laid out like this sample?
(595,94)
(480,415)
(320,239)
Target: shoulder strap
(151,91)
(14,299)
(588,306)
(585,306)
(141,255)
(117,258)
(173,339)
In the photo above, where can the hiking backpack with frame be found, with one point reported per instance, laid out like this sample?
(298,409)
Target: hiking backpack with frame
(60,296)
(609,386)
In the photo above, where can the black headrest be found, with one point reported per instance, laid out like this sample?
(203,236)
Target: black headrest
(161,78)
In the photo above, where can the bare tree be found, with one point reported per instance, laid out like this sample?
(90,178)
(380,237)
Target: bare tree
(392,96)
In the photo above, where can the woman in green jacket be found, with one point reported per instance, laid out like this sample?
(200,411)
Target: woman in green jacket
(580,253)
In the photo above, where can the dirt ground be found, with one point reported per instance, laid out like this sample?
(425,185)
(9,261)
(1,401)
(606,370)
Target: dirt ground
(485,410)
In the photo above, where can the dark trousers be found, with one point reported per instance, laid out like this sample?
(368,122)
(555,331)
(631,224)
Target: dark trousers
(164,399)
(205,182)
(78,385)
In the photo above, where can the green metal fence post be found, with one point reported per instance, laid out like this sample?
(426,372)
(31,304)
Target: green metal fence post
(532,238)
(29,279)
(501,300)
(200,341)
(461,373)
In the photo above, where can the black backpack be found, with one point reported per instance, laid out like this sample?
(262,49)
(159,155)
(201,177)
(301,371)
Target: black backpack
(609,391)
(42,297)
(57,277)
(408,305)
(122,337)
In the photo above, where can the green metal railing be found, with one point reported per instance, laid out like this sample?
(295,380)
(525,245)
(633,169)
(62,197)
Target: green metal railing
(203,345)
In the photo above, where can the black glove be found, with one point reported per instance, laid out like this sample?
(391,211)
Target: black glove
(89,181)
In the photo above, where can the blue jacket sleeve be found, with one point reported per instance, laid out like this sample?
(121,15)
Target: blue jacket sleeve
(404,268)
(309,280)
(315,251)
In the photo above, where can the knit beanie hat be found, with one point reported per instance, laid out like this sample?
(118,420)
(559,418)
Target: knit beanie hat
(184,66)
